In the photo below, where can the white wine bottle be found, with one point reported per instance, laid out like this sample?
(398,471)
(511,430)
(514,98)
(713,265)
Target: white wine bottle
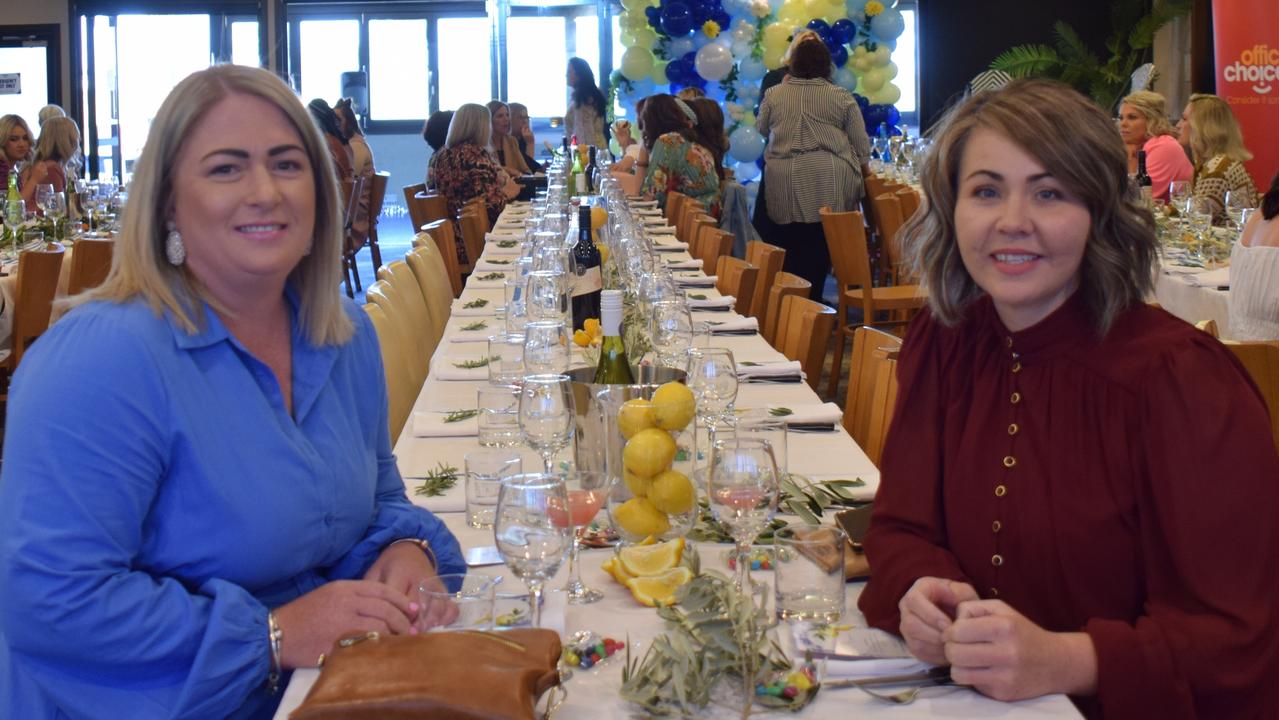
(614,368)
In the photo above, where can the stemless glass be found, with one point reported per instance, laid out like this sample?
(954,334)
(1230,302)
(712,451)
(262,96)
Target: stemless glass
(743,487)
(712,376)
(547,415)
(530,543)
(671,333)
(587,491)
(547,295)
(546,348)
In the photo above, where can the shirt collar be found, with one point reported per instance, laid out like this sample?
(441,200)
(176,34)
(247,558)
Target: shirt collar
(1069,326)
(214,330)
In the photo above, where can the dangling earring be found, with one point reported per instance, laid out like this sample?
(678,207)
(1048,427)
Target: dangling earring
(174,250)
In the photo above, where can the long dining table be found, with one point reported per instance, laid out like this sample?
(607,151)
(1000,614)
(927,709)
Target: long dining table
(593,693)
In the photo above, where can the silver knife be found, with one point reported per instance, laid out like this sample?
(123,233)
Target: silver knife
(935,676)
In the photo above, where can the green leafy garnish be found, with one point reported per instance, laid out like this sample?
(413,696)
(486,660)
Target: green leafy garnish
(749,363)
(438,481)
(810,500)
(472,364)
(507,243)
(780,411)
(460,415)
(696,296)
(492,276)
(500,262)
(477,325)
(472,305)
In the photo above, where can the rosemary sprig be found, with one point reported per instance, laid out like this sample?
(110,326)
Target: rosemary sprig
(438,481)
(460,415)
(477,325)
(492,276)
(696,296)
(473,364)
(500,262)
(477,303)
(507,243)
(780,411)
(749,363)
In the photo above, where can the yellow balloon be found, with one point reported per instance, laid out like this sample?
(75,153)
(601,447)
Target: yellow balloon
(633,20)
(890,70)
(815,8)
(773,60)
(645,37)
(873,80)
(659,72)
(887,95)
(635,5)
(627,39)
(637,63)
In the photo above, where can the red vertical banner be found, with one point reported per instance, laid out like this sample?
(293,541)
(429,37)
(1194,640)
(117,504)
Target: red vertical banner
(1246,45)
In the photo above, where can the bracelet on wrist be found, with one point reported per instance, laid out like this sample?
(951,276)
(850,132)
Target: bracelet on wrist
(276,637)
(423,545)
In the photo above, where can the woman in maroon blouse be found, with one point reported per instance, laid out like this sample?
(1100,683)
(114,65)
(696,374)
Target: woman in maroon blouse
(1079,491)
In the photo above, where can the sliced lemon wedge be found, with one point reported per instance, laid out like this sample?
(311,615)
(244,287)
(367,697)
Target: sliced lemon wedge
(643,560)
(659,590)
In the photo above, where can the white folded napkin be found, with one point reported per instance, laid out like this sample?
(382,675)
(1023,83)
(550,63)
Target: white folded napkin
(448,368)
(654,220)
(494,248)
(431,424)
(734,325)
(693,264)
(479,279)
(496,235)
(647,211)
(784,368)
(668,243)
(1219,278)
(485,265)
(692,280)
(807,414)
(635,201)
(712,303)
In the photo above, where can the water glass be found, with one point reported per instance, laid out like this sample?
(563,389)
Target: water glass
(468,607)
(761,424)
(516,310)
(485,472)
(712,376)
(547,414)
(1236,203)
(506,359)
(671,332)
(527,539)
(546,347)
(498,420)
(547,295)
(808,572)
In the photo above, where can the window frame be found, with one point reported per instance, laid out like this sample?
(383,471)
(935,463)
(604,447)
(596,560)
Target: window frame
(912,118)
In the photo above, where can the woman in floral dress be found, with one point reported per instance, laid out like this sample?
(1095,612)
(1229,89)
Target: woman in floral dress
(676,163)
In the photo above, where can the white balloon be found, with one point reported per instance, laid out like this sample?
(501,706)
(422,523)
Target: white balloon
(882,55)
(751,69)
(886,95)
(713,62)
(741,49)
(680,47)
(890,70)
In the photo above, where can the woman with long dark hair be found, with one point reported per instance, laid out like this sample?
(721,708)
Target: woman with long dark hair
(676,162)
(585,115)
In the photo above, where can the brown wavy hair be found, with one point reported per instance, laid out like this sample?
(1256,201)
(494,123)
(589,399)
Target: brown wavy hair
(1118,268)
(710,130)
(662,115)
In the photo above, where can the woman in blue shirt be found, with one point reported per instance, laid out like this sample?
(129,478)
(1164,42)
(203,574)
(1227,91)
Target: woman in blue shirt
(197,459)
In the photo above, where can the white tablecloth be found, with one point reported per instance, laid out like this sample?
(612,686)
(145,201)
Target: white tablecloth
(593,693)
(1179,294)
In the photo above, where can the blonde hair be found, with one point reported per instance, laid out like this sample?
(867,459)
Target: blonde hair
(49,112)
(1155,109)
(471,124)
(1090,161)
(1214,130)
(59,139)
(7,124)
(140,269)
(795,40)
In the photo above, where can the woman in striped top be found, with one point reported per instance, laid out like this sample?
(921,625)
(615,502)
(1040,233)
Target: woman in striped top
(1210,130)
(817,147)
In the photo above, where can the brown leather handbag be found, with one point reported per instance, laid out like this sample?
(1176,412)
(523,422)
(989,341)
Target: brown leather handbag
(467,675)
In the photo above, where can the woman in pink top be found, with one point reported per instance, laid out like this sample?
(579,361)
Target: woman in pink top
(1143,123)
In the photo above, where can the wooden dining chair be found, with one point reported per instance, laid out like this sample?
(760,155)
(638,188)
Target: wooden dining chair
(394,304)
(736,277)
(882,404)
(400,393)
(427,207)
(715,244)
(427,263)
(908,199)
(870,347)
(37,284)
(769,259)
(473,222)
(1209,326)
(426,331)
(694,227)
(846,239)
(784,285)
(687,211)
(355,230)
(90,264)
(377,196)
(441,233)
(802,331)
(888,220)
(1261,360)
(414,207)
(674,204)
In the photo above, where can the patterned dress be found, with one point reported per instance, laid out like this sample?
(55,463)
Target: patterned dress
(466,171)
(677,165)
(584,122)
(1221,175)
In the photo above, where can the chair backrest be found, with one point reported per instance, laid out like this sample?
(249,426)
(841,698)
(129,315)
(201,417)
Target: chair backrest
(888,220)
(413,302)
(393,303)
(883,403)
(736,277)
(682,220)
(427,207)
(674,204)
(90,263)
(1261,359)
(377,195)
(356,225)
(399,391)
(784,285)
(870,348)
(1209,326)
(803,332)
(909,199)
(413,206)
(474,223)
(715,244)
(846,239)
(441,232)
(38,272)
(427,263)
(768,258)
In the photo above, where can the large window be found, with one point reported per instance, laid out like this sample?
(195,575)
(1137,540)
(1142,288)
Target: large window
(465,62)
(328,49)
(399,79)
(536,74)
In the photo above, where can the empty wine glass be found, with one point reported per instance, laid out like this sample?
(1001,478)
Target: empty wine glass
(744,487)
(671,332)
(44,194)
(1236,203)
(546,348)
(587,491)
(1179,192)
(712,376)
(547,414)
(528,540)
(15,214)
(55,209)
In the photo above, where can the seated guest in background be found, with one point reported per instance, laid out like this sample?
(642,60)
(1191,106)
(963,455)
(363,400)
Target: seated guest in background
(1210,130)
(690,93)
(435,132)
(1042,524)
(1254,274)
(16,145)
(630,148)
(817,149)
(585,115)
(676,163)
(361,155)
(50,111)
(464,169)
(339,148)
(505,147)
(59,140)
(1143,124)
(198,490)
(710,131)
(522,131)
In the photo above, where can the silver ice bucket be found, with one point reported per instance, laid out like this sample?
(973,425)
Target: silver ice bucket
(598,441)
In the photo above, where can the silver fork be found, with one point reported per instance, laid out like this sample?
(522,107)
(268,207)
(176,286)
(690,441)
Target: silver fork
(905,697)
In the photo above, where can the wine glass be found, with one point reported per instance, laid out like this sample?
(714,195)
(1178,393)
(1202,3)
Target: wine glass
(712,376)
(55,209)
(1236,203)
(744,487)
(546,349)
(44,194)
(15,214)
(530,543)
(1179,192)
(587,491)
(547,414)
(671,333)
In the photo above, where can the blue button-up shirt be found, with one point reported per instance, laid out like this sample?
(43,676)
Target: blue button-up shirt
(157,498)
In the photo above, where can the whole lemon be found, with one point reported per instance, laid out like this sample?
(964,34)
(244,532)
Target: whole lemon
(599,216)
(639,518)
(649,452)
(634,416)
(673,406)
(636,484)
(672,492)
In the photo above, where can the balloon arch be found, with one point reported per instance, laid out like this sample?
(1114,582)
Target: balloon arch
(724,47)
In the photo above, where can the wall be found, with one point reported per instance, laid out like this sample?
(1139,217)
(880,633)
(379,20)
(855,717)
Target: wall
(44,12)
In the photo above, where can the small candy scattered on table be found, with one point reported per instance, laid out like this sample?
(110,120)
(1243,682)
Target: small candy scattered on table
(588,649)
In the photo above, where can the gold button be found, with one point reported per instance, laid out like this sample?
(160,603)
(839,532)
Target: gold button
(994,592)
(996,526)
(1009,461)
(1012,428)
(996,560)
(1015,398)
(1017,367)
(1000,491)
(1010,342)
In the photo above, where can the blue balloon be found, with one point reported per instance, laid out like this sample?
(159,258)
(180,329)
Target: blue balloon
(888,25)
(843,30)
(746,144)
(862,102)
(723,19)
(677,19)
(819,26)
(894,117)
(839,55)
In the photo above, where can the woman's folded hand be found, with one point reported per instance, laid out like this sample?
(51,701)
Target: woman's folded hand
(927,610)
(312,623)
